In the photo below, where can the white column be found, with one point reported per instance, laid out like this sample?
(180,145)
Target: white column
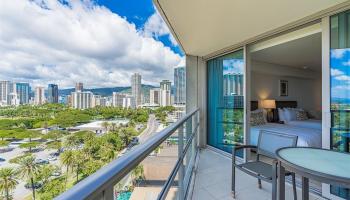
(196,92)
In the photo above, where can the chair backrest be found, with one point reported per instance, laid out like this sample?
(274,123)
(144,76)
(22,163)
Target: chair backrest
(269,142)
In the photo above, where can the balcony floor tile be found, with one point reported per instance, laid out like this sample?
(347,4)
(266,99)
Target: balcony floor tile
(213,181)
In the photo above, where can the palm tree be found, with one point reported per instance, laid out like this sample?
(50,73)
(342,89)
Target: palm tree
(67,159)
(105,125)
(8,181)
(138,174)
(28,169)
(107,152)
(79,160)
(113,126)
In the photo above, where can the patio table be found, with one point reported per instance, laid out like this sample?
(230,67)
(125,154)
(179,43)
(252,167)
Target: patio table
(322,165)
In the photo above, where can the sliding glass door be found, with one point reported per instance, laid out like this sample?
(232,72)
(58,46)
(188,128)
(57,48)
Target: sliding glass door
(340,89)
(226,101)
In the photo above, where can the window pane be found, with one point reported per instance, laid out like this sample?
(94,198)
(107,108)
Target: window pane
(340,88)
(226,101)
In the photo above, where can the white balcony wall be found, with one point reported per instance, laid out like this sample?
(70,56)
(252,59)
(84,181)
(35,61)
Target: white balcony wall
(196,92)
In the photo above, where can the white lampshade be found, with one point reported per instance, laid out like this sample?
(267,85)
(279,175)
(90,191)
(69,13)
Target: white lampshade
(269,104)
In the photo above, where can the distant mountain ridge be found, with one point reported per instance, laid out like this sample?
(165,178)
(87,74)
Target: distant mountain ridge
(108,90)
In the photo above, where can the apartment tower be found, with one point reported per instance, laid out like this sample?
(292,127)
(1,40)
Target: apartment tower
(136,89)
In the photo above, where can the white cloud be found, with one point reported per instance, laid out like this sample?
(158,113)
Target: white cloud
(49,42)
(343,78)
(156,27)
(338,53)
(336,72)
(341,87)
(347,63)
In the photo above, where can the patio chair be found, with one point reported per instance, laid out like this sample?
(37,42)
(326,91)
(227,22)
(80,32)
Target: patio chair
(268,143)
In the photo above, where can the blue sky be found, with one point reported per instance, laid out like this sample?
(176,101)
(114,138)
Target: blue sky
(137,12)
(340,73)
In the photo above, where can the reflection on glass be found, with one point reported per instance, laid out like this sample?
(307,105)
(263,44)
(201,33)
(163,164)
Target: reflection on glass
(340,88)
(226,101)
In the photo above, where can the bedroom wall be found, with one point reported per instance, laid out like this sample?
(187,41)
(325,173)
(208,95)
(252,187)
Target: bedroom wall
(303,88)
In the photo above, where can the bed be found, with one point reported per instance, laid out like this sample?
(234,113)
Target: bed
(309,131)
(310,123)
(307,137)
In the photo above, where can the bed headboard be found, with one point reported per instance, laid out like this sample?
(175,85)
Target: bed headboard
(279,104)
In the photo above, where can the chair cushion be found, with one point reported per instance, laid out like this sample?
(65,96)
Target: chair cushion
(258,167)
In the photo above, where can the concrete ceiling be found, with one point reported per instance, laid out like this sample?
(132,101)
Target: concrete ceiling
(205,26)
(301,53)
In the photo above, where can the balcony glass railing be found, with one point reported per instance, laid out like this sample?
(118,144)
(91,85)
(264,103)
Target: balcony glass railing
(160,168)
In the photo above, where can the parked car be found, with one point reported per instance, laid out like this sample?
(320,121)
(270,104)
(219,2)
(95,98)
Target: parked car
(56,174)
(52,158)
(134,141)
(42,161)
(36,185)
(56,154)
(16,144)
(2,159)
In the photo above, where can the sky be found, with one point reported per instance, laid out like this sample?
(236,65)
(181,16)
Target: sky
(233,66)
(97,42)
(340,74)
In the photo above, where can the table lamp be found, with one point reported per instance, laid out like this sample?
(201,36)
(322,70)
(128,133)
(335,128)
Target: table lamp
(269,104)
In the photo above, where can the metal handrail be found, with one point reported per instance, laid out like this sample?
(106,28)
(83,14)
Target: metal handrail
(162,195)
(97,185)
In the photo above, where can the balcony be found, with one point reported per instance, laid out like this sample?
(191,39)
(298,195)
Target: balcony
(213,181)
(179,170)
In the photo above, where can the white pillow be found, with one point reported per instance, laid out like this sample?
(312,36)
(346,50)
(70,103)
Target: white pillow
(291,113)
(281,115)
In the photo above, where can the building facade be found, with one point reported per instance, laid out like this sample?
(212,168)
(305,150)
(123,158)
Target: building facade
(154,96)
(117,99)
(6,88)
(233,84)
(180,85)
(136,89)
(82,100)
(52,93)
(165,93)
(79,87)
(39,97)
(129,102)
(23,91)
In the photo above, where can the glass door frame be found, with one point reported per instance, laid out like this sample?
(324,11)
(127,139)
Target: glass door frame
(326,93)
(245,101)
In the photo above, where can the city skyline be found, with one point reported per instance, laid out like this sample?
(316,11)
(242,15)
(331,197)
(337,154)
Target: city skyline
(15,94)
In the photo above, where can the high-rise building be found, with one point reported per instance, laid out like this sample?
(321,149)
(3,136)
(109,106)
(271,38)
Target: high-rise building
(52,93)
(233,84)
(117,99)
(39,96)
(69,100)
(79,87)
(82,100)
(165,98)
(136,89)
(13,99)
(23,91)
(165,93)
(96,100)
(129,102)
(165,85)
(6,88)
(180,85)
(154,96)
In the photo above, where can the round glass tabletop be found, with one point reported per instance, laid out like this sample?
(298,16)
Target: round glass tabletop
(318,160)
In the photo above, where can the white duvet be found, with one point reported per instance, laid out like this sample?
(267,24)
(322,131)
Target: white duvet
(310,123)
(307,137)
